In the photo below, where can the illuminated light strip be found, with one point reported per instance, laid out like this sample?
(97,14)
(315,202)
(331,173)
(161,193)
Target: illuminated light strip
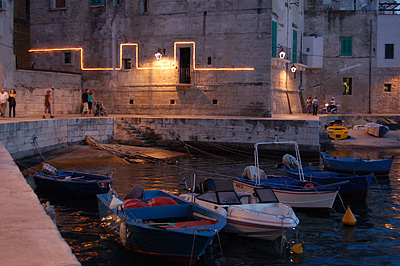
(137,58)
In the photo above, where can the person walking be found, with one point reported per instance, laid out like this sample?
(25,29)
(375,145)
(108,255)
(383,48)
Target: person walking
(12,102)
(85,98)
(315,104)
(309,107)
(3,102)
(91,100)
(47,104)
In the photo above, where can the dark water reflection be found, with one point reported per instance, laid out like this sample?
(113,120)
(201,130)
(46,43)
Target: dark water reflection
(375,240)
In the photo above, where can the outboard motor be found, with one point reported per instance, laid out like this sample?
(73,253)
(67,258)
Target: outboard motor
(207,184)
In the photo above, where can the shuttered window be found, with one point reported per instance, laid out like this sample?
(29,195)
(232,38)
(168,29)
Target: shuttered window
(274,39)
(96,3)
(294,47)
(346,47)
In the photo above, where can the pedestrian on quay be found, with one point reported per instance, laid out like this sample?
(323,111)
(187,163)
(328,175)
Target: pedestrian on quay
(47,104)
(309,107)
(315,104)
(12,102)
(3,102)
(85,99)
(91,100)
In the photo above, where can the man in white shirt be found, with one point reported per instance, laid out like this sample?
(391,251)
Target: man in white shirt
(3,102)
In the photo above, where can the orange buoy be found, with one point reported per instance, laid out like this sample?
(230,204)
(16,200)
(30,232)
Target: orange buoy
(308,185)
(298,248)
(348,218)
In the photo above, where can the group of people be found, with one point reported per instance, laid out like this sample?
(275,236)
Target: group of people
(312,105)
(7,98)
(87,101)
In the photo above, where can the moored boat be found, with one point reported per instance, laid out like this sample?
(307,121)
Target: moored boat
(160,223)
(300,194)
(376,129)
(356,166)
(72,183)
(265,218)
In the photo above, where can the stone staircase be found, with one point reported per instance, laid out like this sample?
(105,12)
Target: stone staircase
(126,133)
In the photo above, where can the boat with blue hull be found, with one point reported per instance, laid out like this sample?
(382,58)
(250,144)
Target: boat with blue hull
(356,166)
(354,186)
(300,194)
(73,183)
(159,223)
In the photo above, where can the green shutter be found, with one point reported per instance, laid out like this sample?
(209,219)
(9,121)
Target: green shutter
(96,2)
(274,39)
(294,47)
(346,47)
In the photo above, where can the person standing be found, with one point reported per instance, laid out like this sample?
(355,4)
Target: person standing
(47,104)
(12,102)
(315,104)
(91,100)
(85,98)
(309,107)
(3,102)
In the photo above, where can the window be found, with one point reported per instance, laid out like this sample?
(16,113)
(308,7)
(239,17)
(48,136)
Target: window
(215,101)
(172,101)
(131,101)
(294,47)
(389,51)
(67,57)
(274,39)
(144,4)
(347,86)
(387,87)
(346,47)
(96,3)
(58,4)
(209,60)
(127,62)
(117,2)
(3,6)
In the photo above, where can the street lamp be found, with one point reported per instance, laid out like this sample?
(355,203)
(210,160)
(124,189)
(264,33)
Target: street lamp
(282,54)
(158,55)
(293,68)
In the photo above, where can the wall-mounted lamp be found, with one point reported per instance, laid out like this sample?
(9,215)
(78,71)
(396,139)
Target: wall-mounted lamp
(159,54)
(293,68)
(282,54)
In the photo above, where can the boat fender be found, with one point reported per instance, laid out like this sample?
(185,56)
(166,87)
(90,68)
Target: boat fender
(298,248)
(308,185)
(348,218)
(115,202)
(123,233)
(221,211)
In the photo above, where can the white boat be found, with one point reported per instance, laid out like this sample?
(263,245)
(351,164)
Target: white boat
(376,129)
(300,193)
(267,219)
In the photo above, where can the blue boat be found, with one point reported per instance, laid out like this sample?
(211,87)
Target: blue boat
(356,166)
(354,186)
(159,223)
(73,183)
(300,194)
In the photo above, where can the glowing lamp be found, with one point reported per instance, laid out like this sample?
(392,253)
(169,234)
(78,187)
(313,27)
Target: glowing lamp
(282,54)
(158,55)
(293,68)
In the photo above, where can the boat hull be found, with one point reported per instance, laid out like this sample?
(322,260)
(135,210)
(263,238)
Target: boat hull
(89,185)
(145,237)
(356,166)
(321,200)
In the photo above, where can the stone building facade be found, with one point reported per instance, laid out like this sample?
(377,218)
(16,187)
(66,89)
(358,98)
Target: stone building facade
(216,55)
(7,60)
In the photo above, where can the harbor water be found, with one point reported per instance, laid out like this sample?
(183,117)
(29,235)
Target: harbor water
(374,240)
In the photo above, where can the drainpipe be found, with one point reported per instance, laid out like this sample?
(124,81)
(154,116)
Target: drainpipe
(370,67)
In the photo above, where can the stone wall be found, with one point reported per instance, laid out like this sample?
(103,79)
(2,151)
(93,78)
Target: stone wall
(31,86)
(7,58)
(18,137)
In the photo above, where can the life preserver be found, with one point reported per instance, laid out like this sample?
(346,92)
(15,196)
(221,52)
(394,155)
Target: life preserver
(161,201)
(308,185)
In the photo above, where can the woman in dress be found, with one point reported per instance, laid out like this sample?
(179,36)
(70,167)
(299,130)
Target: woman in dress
(12,102)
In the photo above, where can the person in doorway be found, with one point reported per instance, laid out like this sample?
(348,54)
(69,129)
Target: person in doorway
(3,102)
(91,100)
(85,98)
(12,102)
(315,104)
(47,104)
(309,107)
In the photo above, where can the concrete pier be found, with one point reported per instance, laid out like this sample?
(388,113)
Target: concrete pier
(27,234)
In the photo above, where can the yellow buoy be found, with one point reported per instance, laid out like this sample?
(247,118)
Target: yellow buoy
(348,218)
(298,248)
